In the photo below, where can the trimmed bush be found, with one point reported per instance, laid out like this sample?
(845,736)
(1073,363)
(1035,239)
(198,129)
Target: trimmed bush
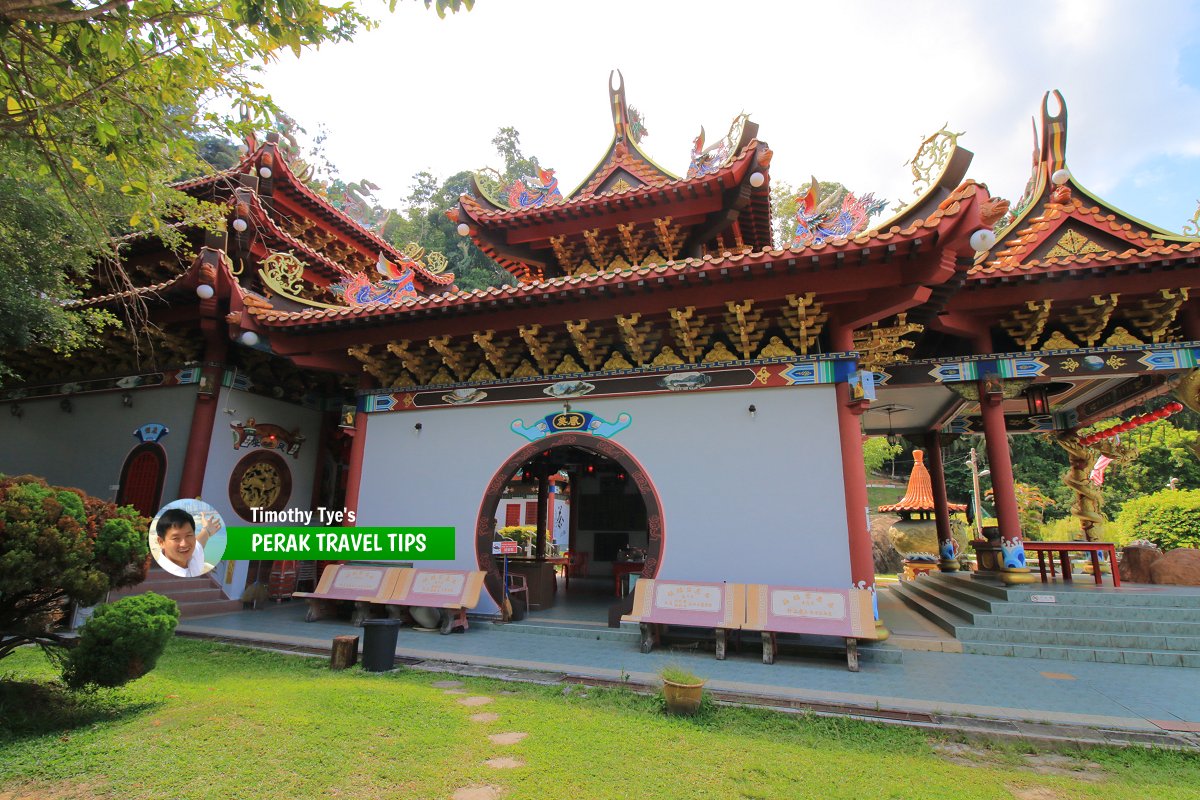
(1170,518)
(121,642)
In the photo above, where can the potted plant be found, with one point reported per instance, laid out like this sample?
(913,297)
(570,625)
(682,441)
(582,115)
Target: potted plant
(682,690)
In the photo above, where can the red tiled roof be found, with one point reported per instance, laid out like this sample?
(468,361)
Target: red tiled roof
(355,228)
(633,277)
(1014,258)
(919,496)
(637,196)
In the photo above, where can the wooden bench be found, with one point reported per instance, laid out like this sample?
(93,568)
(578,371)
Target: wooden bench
(658,603)
(770,610)
(846,613)
(361,585)
(451,590)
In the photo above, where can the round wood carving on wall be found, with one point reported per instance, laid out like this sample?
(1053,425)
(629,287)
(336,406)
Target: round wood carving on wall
(262,480)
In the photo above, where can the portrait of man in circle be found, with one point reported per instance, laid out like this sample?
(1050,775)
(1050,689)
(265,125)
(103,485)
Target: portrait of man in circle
(180,546)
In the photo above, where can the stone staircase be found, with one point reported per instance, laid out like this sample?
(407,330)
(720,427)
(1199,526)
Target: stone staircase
(196,597)
(1149,625)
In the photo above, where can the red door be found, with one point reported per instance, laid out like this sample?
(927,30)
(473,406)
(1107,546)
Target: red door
(142,478)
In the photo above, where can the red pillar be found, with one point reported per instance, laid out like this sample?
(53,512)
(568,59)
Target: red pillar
(941,509)
(358,446)
(854,477)
(1004,497)
(204,415)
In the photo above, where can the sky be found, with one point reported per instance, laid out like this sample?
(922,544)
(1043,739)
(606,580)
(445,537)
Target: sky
(845,90)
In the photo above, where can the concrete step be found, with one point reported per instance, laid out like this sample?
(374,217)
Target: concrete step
(1097,654)
(934,596)
(963,580)
(964,594)
(949,621)
(1089,639)
(1106,625)
(208,608)
(598,633)
(1097,612)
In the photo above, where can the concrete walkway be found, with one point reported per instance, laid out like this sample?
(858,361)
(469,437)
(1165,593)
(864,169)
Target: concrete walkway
(1032,697)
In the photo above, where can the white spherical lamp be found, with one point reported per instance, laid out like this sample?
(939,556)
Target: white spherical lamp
(204,291)
(463,229)
(249,338)
(1060,176)
(982,239)
(264,172)
(757,179)
(239,225)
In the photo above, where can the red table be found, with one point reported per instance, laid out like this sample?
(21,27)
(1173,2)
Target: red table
(620,570)
(1062,548)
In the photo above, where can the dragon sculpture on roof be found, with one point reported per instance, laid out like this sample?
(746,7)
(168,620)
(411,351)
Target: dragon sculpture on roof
(531,192)
(839,215)
(397,284)
(706,160)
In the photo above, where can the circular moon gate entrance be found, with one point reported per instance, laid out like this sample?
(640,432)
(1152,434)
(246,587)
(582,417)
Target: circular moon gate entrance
(592,444)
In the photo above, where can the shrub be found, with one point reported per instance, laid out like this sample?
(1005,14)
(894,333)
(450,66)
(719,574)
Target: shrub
(59,546)
(121,642)
(523,534)
(1170,518)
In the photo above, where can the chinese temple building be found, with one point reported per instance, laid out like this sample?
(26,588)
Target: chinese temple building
(658,353)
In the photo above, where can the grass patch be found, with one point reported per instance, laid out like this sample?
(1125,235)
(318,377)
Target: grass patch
(217,721)
(883,496)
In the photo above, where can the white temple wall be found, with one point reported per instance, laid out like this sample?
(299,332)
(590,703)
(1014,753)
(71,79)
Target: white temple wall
(87,446)
(744,498)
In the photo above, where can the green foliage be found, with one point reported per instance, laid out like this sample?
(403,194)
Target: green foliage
(424,220)
(1031,503)
(1165,451)
(59,546)
(876,451)
(102,105)
(677,674)
(121,642)
(1168,518)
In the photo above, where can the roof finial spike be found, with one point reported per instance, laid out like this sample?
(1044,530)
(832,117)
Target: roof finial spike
(1054,133)
(619,110)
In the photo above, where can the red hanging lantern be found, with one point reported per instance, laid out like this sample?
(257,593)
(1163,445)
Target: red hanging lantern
(1175,407)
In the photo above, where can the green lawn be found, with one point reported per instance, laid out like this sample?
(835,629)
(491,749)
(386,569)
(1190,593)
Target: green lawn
(883,495)
(222,722)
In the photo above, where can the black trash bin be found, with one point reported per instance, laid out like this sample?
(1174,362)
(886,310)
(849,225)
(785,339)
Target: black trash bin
(379,644)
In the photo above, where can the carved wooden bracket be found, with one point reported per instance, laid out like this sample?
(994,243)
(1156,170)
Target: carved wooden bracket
(802,320)
(668,236)
(417,365)
(691,334)
(1026,326)
(539,347)
(634,337)
(744,326)
(497,352)
(1089,321)
(1152,318)
(587,343)
(454,356)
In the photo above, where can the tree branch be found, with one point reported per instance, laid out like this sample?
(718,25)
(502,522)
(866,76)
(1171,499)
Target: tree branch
(23,11)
